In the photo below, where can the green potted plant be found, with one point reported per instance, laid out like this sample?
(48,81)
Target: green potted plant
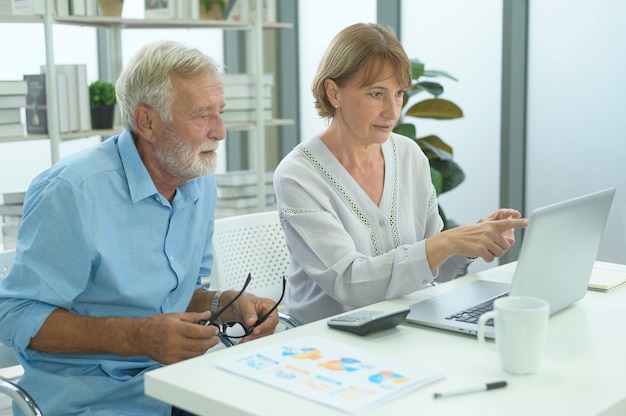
(212,9)
(110,8)
(446,174)
(102,100)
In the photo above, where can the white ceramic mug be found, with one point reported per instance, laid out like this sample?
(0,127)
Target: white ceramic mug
(521,326)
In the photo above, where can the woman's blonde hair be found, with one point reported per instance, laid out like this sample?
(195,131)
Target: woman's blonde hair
(362,49)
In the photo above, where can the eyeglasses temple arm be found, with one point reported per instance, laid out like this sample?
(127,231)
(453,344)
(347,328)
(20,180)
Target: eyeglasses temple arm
(217,314)
(264,317)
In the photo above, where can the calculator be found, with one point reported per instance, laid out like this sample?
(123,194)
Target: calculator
(363,322)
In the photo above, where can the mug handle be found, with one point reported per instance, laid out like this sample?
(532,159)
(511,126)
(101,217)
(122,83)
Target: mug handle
(481,328)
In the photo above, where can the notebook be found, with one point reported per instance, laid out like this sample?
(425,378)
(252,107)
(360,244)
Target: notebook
(607,276)
(556,259)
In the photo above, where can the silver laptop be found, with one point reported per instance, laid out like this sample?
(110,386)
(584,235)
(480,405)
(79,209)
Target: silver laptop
(556,259)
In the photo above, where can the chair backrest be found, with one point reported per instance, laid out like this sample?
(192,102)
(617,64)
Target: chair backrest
(7,357)
(6,258)
(250,243)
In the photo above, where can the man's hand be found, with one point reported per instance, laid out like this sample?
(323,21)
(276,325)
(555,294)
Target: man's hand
(172,337)
(247,310)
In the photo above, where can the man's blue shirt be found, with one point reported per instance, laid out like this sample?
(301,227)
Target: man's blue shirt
(97,239)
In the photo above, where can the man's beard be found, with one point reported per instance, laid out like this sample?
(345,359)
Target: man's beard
(180,160)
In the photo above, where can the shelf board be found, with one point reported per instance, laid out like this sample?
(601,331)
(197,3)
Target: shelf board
(100,21)
(63,136)
(103,21)
(110,132)
(251,124)
(10,139)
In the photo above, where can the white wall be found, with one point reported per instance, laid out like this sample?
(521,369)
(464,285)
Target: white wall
(318,22)
(576,123)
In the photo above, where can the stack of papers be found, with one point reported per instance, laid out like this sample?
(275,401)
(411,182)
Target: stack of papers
(332,373)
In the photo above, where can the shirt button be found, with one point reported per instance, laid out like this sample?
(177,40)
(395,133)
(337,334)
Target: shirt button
(171,258)
(382,223)
(156,198)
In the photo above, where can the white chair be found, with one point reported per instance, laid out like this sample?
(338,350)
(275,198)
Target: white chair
(10,369)
(255,244)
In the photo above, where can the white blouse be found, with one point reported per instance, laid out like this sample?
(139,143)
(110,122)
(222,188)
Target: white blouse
(347,252)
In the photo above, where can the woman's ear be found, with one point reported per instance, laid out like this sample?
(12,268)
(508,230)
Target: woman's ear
(332,92)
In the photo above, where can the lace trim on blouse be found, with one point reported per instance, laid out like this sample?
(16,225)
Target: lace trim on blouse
(353,205)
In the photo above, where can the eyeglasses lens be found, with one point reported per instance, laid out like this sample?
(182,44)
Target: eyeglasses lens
(233,329)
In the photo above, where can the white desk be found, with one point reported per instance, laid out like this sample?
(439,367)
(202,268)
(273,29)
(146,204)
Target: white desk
(583,373)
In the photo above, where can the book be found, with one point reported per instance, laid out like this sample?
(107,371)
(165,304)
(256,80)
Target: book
(12,101)
(607,276)
(244,85)
(221,212)
(12,129)
(62,7)
(241,178)
(246,79)
(237,116)
(10,115)
(9,236)
(160,9)
(16,7)
(246,103)
(193,9)
(73,93)
(246,202)
(84,106)
(333,373)
(36,105)
(39,6)
(13,87)
(63,103)
(182,7)
(91,8)
(13,197)
(78,8)
(14,210)
(243,91)
(230,192)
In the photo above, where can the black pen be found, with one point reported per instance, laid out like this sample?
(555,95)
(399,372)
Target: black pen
(471,389)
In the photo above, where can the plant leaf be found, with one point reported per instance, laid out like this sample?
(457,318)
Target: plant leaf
(406,129)
(436,108)
(433,73)
(437,180)
(451,173)
(435,148)
(434,88)
(417,68)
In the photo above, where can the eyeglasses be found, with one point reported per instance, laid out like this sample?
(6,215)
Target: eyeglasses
(232,331)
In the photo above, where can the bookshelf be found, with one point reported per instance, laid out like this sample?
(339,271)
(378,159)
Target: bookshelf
(113,26)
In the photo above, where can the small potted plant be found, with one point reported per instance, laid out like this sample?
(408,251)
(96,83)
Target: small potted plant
(111,8)
(212,9)
(102,101)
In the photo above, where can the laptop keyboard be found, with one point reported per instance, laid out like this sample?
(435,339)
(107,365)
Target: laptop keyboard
(471,315)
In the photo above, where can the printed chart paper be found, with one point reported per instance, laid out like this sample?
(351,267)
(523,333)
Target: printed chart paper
(329,372)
